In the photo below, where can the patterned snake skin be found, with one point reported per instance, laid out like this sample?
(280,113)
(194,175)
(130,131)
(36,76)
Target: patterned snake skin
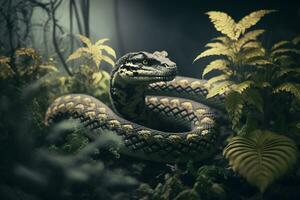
(159,116)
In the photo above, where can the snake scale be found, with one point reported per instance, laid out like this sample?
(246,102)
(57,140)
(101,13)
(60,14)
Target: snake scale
(160,116)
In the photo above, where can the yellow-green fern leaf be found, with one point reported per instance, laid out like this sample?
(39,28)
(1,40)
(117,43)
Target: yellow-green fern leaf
(251,54)
(293,88)
(234,105)
(78,53)
(252,45)
(219,88)
(250,20)
(249,36)
(223,23)
(85,40)
(218,78)
(258,61)
(241,87)
(101,41)
(108,60)
(221,65)
(215,52)
(284,50)
(280,44)
(108,50)
(261,157)
(223,39)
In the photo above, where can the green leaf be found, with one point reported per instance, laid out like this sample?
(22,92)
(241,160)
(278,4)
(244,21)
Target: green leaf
(85,40)
(250,20)
(234,105)
(293,88)
(250,36)
(280,44)
(253,97)
(285,50)
(225,51)
(241,87)
(77,54)
(218,78)
(223,23)
(101,41)
(261,157)
(221,65)
(108,60)
(219,88)
(108,50)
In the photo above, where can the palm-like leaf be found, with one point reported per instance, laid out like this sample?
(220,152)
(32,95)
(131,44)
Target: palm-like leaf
(94,51)
(262,157)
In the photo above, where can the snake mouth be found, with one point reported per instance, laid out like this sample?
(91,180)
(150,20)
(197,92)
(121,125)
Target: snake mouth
(168,76)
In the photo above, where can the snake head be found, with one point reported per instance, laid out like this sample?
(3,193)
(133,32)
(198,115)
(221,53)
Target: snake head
(143,67)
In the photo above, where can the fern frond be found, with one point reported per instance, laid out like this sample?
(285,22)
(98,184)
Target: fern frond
(108,50)
(285,50)
(261,157)
(216,79)
(250,20)
(223,39)
(101,41)
(219,88)
(96,77)
(241,87)
(280,44)
(215,52)
(78,53)
(223,23)
(253,97)
(251,54)
(234,105)
(220,65)
(258,61)
(252,45)
(85,40)
(282,72)
(249,36)
(108,60)
(293,88)
(216,45)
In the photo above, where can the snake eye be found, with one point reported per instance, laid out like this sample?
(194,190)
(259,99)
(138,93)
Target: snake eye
(145,62)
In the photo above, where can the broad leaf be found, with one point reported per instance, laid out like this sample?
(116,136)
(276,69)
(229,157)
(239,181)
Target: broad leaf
(261,157)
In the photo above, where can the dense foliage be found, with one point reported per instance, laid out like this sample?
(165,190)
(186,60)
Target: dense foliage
(262,98)
(261,89)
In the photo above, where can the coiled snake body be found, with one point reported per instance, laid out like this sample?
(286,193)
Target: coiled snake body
(159,116)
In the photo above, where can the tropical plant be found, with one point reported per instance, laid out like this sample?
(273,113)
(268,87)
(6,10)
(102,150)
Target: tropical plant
(261,157)
(254,81)
(94,52)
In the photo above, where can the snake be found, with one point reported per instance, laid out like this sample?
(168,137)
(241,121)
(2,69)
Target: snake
(159,116)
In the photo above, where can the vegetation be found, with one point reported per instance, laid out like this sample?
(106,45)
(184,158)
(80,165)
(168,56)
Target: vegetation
(261,89)
(262,98)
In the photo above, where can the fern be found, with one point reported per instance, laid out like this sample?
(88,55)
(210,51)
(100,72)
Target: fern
(94,52)
(221,65)
(223,23)
(234,105)
(241,87)
(219,88)
(249,36)
(217,51)
(261,157)
(293,88)
(250,20)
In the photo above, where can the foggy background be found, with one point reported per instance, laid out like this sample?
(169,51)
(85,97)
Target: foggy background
(179,27)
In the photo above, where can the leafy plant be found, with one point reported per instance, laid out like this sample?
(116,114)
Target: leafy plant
(261,88)
(261,157)
(94,52)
